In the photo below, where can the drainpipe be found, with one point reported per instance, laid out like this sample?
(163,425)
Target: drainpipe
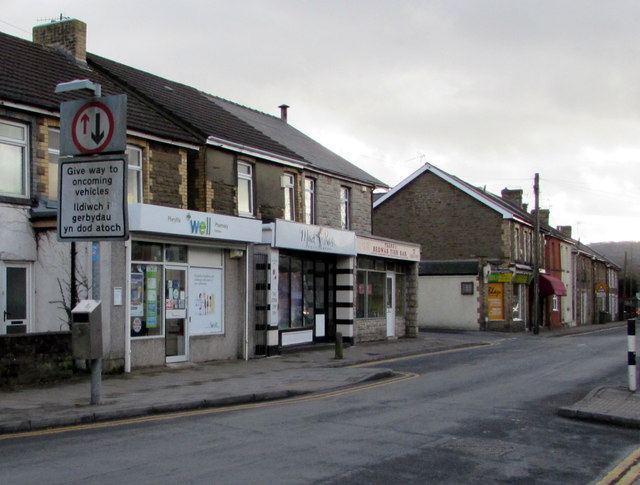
(246,305)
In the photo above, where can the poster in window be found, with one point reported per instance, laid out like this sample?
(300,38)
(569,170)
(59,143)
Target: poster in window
(205,303)
(150,301)
(137,295)
(496,301)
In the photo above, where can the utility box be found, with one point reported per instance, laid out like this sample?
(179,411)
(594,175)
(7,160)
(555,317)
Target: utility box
(86,330)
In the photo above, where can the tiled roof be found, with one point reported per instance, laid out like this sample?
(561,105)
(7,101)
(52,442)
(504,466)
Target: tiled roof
(189,106)
(308,149)
(30,72)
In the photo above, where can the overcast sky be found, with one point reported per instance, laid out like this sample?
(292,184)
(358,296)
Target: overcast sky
(489,91)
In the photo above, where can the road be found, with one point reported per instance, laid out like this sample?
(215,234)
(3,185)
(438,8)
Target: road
(486,415)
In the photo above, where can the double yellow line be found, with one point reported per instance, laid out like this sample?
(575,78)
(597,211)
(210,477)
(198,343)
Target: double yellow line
(626,473)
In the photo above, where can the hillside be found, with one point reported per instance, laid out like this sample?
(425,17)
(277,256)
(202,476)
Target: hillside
(615,251)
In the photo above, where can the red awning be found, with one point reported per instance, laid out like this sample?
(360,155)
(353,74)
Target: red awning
(550,285)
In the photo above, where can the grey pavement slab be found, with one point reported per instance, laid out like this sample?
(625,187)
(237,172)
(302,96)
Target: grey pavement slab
(612,405)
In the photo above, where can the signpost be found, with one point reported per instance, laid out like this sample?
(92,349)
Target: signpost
(92,182)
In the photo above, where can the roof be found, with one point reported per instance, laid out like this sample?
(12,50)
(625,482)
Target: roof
(30,72)
(449,268)
(504,208)
(223,120)
(308,149)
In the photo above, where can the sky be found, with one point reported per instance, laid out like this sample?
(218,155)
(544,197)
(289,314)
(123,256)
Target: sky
(492,91)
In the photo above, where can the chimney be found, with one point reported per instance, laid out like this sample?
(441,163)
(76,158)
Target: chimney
(68,36)
(283,112)
(544,216)
(513,196)
(565,230)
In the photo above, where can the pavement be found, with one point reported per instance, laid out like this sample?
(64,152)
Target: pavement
(189,386)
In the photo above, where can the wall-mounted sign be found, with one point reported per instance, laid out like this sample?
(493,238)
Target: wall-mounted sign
(306,237)
(180,222)
(501,277)
(387,249)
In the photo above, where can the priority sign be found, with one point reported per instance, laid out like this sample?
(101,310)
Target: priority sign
(93,126)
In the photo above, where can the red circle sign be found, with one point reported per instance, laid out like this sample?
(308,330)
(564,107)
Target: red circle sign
(92,127)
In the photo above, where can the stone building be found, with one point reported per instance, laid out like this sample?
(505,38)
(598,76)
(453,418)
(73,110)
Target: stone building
(246,236)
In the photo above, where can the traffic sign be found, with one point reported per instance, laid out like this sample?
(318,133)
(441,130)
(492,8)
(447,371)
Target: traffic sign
(93,126)
(92,200)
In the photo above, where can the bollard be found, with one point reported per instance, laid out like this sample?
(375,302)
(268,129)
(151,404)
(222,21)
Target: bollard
(339,347)
(631,354)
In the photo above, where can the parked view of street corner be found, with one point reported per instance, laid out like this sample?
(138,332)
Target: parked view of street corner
(201,283)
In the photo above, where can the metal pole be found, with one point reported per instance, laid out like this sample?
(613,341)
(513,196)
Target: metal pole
(96,381)
(631,354)
(536,257)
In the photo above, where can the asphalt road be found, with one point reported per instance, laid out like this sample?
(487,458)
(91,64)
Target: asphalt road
(480,416)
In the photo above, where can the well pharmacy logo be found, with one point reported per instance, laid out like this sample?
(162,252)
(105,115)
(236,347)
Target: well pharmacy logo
(199,227)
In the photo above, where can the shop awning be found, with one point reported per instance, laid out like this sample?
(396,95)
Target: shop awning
(550,285)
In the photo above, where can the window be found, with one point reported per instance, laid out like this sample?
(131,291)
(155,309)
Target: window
(13,159)
(309,201)
(520,297)
(53,153)
(245,189)
(370,298)
(466,288)
(516,244)
(555,303)
(345,208)
(134,184)
(288,185)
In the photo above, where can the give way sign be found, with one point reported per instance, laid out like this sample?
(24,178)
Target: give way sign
(93,126)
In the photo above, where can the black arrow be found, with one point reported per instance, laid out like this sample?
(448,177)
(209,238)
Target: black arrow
(97,135)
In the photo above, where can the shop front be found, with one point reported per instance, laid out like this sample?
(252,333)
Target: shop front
(386,289)
(308,285)
(187,286)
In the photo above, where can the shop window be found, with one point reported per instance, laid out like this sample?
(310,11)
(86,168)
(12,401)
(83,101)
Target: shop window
(53,154)
(245,189)
(134,175)
(519,302)
(308,305)
(370,299)
(145,251)
(296,293)
(175,253)
(345,208)
(288,187)
(309,201)
(284,301)
(13,159)
(466,288)
(147,295)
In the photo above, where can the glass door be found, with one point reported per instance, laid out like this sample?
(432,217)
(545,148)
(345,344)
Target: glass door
(175,313)
(14,302)
(391,306)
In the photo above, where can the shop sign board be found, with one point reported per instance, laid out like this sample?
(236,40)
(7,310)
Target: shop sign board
(92,200)
(202,225)
(387,249)
(307,237)
(93,126)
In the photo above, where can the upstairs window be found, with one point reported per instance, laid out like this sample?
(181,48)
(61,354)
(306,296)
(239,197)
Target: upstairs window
(13,159)
(53,153)
(309,201)
(345,208)
(245,189)
(288,186)
(134,183)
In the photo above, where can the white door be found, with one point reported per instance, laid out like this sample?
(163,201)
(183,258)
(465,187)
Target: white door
(175,314)
(14,298)
(390,294)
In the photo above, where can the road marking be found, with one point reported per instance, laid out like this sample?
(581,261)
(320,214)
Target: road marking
(626,473)
(400,377)
(425,354)
(589,332)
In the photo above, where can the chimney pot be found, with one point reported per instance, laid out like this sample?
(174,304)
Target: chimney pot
(283,112)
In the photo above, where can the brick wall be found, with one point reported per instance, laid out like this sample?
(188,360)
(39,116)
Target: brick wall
(448,223)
